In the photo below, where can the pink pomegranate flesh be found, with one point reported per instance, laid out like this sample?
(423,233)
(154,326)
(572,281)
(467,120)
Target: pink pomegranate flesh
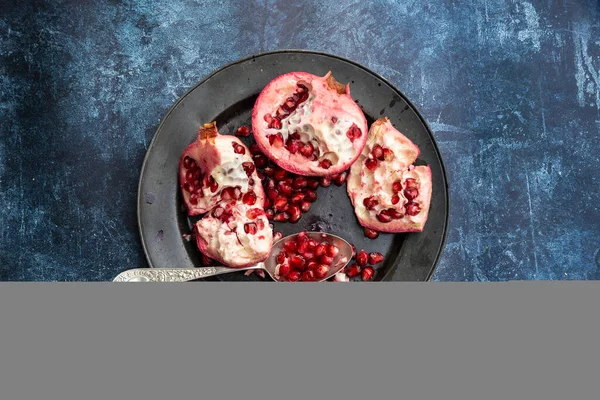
(309,125)
(388,193)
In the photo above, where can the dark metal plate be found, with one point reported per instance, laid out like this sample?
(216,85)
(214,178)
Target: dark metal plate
(227,97)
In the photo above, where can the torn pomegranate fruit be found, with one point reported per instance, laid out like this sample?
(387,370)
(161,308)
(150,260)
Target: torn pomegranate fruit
(309,125)
(388,193)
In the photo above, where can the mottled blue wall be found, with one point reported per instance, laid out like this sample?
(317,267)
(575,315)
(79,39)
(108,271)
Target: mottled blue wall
(511,90)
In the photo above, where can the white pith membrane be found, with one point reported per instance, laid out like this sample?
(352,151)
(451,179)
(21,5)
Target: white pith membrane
(378,184)
(323,120)
(221,238)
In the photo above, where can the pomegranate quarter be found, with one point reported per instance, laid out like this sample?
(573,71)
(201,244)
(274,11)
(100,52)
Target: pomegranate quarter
(309,125)
(387,192)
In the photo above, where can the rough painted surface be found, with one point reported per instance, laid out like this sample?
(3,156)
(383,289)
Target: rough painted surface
(510,88)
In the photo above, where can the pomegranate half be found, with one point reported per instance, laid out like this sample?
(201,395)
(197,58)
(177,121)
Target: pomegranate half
(309,125)
(388,193)
(218,178)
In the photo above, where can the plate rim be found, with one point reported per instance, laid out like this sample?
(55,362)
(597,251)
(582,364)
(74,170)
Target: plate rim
(391,271)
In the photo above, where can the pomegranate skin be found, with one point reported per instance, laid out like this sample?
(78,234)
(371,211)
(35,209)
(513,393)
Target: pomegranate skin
(328,119)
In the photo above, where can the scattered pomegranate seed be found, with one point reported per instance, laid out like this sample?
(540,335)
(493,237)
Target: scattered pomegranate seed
(281,217)
(305,206)
(293,276)
(284,271)
(299,183)
(297,198)
(367,273)
(313,184)
(284,189)
(325,181)
(254,149)
(321,271)
(280,203)
(371,234)
(310,195)
(340,179)
(321,249)
(308,276)
(243,131)
(325,164)
(332,250)
(362,258)
(412,209)
(270,214)
(276,236)
(272,194)
(260,161)
(371,164)
(295,213)
(353,271)
(269,171)
(375,258)
(353,250)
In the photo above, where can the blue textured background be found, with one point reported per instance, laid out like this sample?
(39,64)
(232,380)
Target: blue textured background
(511,90)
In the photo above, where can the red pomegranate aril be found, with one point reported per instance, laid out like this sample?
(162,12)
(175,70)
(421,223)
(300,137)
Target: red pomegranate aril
(249,198)
(187,187)
(332,250)
(280,203)
(297,262)
(321,271)
(388,155)
(313,184)
(293,276)
(254,213)
(412,209)
(227,194)
(367,273)
(251,182)
(295,213)
(375,258)
(269,183)
(312,265)
(250,228)
(325,163)
(269,171)
(371,164)
(248,167)
(299,183)
(243,131)
(288,181)
(281,217)
(284,271)
(290,246)
(270,214)
(353,132)
(370,202)
(188,162)
(325,181)
(395,214)
(238,148)
(272,194)
(275,123)
(260,160)
(371,234)
(189,176)
(396,186)
(297,198)
(307,149)
(305,206)
(254,149)
(193,199)
(384,216)
(293,146)
(411,193)
(340,179)
(276,140)
(411,183)
(261,225)
(280,174)
(303,247)
(377,152)
(218,212)
(268,118)
(311,196)
(395,199)
(312,244)
(362,258)
(213,185)
(284,189)
(324,259)
(353,247)
(308,276)
(321,249)
(353,271)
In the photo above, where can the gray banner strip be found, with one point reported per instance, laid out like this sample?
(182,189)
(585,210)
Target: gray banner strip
(520,340)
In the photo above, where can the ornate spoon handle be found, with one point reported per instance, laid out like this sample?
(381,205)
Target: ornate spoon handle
(173,274)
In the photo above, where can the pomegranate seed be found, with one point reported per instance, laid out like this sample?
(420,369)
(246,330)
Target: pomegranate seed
(313,184)
(254,149)
(269,171)
(206,260)
(261,225)
(375,258)
(249,198)
(301,88)
(367,273)
(193,199)
(284,189)
(250,228)
(388,154)
(268,118)
(213,185)
(302,237)
(189,176)
(254,213)
(188,162)
(305,206)
(284,271)
(411,183)
(218,212)
(297,262)
(307,150)
(353,247)
(362,258)
(227,194)
(384,216)
(299,183)
(281,217)
(295,213)
(353,271)
(290,103)
(187,187)
(295,136)
(312,245)
(325,181)
(293,146)
(276,140)
(238,148)
(411,193)
(270,183)
(332,250)
(260,160)
(325,164)
(312,265)
(290,246)
(272,194)
(288,181)
(303,247)
(308,276)
(353,133)
(297,198)
(280,203)
(396,186)
(321,249)
(310,195)
(275,123)
(270,214)
(243,131)
(412,208)
(395,214)
(326,260)
(395,199)
(251,182)
(371,164)
(321,271)
(340,179)
(248,167)
(377,152)
(334,119)
(370,202)
(293,276)
(281,257)
(280,174)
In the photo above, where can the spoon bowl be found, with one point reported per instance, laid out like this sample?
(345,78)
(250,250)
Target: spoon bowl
(269,265)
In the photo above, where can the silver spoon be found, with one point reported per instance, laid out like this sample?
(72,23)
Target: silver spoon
(269,265)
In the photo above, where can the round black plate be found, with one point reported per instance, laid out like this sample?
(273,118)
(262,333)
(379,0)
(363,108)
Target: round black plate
(227,97)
